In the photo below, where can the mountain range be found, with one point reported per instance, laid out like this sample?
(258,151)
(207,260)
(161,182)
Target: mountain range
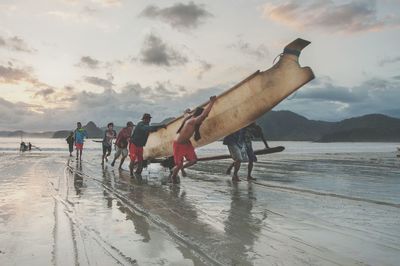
(286,125)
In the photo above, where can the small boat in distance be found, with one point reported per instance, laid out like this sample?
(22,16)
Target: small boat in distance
(242,104)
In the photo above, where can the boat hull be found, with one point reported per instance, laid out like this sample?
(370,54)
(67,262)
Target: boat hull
(242,104)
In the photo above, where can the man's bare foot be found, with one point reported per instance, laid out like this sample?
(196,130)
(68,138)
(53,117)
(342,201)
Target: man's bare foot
(183,173)
(250,178)
(236,179)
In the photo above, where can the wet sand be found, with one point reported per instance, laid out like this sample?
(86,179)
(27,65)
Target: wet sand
(57,211)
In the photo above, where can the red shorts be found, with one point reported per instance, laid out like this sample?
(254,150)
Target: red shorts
(135,153)
(183,151)
(79,146)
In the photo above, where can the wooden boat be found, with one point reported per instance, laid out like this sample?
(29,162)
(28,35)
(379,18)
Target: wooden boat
(242,104)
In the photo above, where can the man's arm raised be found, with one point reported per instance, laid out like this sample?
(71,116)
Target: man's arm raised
(206,111)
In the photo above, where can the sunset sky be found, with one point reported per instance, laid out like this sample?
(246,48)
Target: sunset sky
(63,61)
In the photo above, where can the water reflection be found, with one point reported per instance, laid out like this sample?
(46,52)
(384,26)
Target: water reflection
(240,224)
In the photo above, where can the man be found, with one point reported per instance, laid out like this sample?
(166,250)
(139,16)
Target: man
(182,146)
(235,143)
(252,132)
(79,136)
(109,135)
(121,143)
(70,141)
(139,140)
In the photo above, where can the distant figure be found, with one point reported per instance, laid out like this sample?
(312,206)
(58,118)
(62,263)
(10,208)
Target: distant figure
(109,135)
(22,146)
(250,133)
(121,143)
(29,146)
(70,140)
(79,137)
(182,146)
(236,147)
(138,141)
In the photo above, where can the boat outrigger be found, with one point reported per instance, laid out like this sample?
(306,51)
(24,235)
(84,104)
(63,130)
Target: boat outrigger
(240,105)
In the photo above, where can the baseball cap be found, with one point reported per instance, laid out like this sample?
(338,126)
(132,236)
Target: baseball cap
(146,115)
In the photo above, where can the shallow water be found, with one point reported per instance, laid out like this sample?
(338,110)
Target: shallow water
(313,204)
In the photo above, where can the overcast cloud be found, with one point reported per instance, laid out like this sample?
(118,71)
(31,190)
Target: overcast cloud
(352,16)
(179,15)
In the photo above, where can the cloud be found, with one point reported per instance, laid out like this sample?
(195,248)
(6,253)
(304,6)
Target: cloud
(11,75)
(156,52)
(15,44)
(179,15)
(259,52)
(325,100)
(104,83)
(392,60)
(352,16)
(44,92)
(89,62)
(162,100)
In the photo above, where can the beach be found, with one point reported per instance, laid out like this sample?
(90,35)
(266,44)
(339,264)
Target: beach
(312,204)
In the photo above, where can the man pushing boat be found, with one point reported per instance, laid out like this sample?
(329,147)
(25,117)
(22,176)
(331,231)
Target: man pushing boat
(138,140)
(182,146)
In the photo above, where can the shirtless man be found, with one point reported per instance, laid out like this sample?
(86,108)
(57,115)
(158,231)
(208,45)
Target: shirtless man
(182,146)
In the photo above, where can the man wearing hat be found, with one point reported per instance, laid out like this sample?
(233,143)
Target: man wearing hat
(139,140)
(121,143)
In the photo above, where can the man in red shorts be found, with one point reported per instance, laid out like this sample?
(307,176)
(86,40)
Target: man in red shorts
(182,146)
(138,141)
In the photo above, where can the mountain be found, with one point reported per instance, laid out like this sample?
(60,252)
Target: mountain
(286,125)
(19,133)
(93,131)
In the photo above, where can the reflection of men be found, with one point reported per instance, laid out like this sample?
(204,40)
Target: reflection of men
(182,146)
(241,224)
(235,143)
(121,143)
(138,141)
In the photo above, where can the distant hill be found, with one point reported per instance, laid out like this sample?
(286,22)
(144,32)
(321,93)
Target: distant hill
(19,133)
(93,131)
(286,125)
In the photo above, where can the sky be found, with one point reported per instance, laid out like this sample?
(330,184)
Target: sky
(63,61)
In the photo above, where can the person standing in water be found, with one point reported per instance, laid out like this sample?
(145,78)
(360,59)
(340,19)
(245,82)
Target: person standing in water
(109,135)
(121,143)
(139,140)
(79,137)
(70,141)
(182,146)
(252,132)
(235,143)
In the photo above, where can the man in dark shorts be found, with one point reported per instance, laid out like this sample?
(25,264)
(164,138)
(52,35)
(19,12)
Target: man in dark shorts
(109,135)
(70,141)
(121,143)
